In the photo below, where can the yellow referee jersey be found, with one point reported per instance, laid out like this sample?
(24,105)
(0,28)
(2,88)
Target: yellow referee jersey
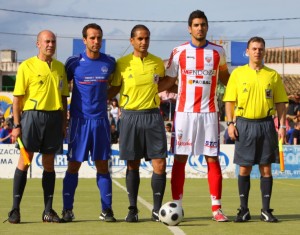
(255,92)
(41,85)
(138,79)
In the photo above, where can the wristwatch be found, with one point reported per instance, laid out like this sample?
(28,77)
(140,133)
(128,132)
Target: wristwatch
(15,126)
(231,122)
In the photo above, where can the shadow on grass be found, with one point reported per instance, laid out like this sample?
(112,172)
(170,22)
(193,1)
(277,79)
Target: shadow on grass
(186,221)
(289,217)
(255,218)
(91,221)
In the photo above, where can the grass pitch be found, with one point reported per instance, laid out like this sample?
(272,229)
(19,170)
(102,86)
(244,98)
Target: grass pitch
(285,201)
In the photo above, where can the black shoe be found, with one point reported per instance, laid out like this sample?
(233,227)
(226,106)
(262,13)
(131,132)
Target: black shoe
(267,216)
(107,216)
(51,217)
(243,215)
(14,216)
(68,215)
(155,216)
(132,215)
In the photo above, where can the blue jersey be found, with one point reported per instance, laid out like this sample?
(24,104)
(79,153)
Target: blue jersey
(3,133)
(90,79)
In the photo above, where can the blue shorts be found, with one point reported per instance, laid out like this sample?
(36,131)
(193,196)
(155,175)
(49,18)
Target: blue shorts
(88,136)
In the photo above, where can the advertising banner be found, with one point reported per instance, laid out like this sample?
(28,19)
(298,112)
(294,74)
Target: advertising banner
(195,168)
(238,53)
(291,162)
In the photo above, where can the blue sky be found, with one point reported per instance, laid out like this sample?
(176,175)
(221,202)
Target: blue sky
(16,29)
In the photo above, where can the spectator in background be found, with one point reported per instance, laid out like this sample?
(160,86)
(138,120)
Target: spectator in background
(2,119)
(167,104)
(114,134)
(296,134)
(108,111)
(114,111)
(289,136)
(291,127)
(5,133)
(287,123)
(293,110)
(10,122)
(169,135)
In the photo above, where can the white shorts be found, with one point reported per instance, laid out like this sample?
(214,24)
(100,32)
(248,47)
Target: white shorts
(196,134)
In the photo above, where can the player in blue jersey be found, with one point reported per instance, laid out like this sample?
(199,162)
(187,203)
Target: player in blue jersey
(89,129)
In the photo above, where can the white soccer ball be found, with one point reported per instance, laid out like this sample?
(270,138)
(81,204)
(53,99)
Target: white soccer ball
(171,213)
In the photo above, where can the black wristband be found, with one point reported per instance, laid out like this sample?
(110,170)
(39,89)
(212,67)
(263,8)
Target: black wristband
(16,126)
(229,123)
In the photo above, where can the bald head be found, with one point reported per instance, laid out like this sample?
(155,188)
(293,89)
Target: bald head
(46,43)
(43,33)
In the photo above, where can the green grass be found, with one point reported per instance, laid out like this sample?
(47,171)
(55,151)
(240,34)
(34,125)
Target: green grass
(285,201)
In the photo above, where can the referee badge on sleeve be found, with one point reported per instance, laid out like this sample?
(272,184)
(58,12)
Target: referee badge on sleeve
(268,94)
(155,78)
(61,84)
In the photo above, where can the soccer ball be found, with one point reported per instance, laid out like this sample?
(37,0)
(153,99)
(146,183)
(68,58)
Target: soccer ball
(171,213)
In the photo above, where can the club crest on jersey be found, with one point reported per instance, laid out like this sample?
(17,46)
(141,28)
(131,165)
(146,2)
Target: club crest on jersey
(104,69)
(208,62)
(208,59)
(155,78)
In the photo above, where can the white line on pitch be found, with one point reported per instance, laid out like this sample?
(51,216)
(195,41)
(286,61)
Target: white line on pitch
(174,229)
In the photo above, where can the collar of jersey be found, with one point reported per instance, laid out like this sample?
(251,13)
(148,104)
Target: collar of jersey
(198,47)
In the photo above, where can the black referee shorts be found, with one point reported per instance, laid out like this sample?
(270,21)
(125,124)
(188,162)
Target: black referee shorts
(142,134)
(42,131)
(257,142)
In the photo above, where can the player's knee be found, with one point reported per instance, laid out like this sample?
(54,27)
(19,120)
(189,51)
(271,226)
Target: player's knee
(181,158)
(102,169)
(159,166)
(73,167)
(133,164)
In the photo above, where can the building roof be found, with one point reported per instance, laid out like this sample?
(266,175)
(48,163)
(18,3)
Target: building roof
(290,56)
(291,83)
(275,55)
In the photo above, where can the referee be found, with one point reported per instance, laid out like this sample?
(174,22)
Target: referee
(253,94)
(39,112)
(142,131)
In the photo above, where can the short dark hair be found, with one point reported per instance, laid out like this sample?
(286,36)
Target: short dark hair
(137,27)
(256,39)
(89,26)
(169,125)
(196,14)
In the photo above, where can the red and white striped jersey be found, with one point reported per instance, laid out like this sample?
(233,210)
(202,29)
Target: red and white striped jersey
(197,71)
